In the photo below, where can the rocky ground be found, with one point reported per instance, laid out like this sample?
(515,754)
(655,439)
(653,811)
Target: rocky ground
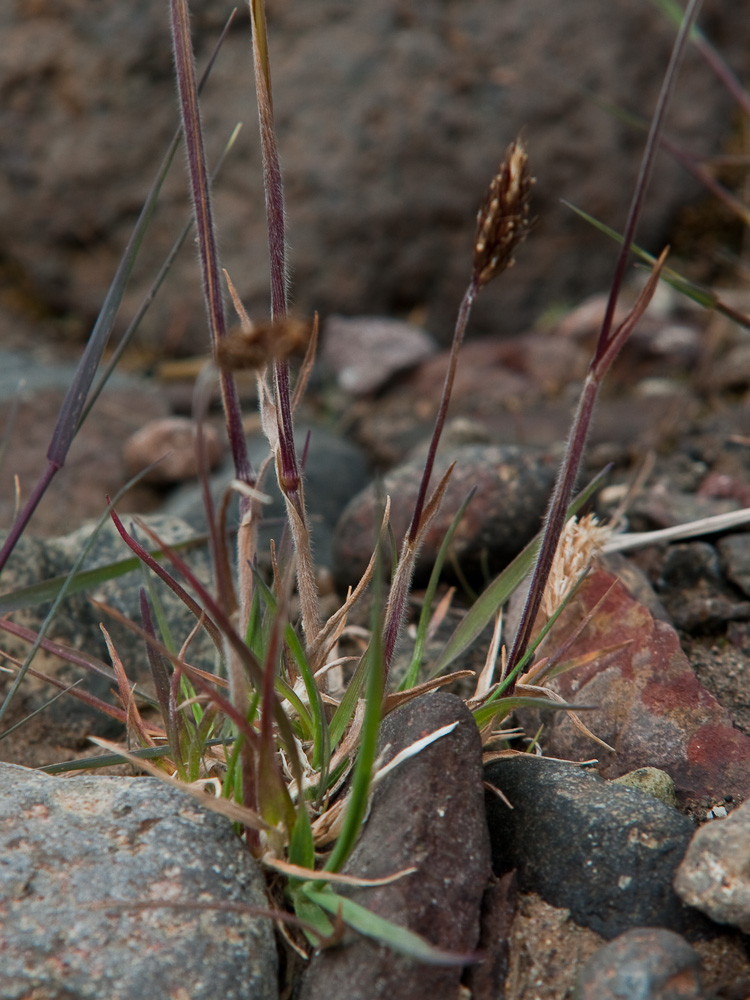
(563,893)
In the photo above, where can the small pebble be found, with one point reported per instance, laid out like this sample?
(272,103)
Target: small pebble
(170,443)
(714,875)
(646,963)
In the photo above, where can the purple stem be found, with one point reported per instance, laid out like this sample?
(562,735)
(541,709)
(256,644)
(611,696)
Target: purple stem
(200,189)
(603,357)
(458,336)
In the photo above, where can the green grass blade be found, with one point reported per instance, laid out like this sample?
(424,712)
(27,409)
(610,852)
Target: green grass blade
(484,609)
(49,590)
(318,721)
(301,843)
(343,714)
(704,297)
(399,939)
(485,714)
(368,740)
(412,673)
(110,759)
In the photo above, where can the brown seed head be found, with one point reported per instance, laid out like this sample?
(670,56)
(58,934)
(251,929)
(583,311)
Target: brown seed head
(503,220)
(266,342)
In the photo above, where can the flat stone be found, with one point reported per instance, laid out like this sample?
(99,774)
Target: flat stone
(605,852)
(715,873)
(68,846)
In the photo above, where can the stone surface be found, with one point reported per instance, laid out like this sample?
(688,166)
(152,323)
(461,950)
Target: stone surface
(388,129)
(65,725)
(715,873)
(647,701)
(170,443)
(512,488)
(428,813)
(735,556)
(488,979)
(694,590)
(642,964)
(604,852)
(365,352)
(69,846)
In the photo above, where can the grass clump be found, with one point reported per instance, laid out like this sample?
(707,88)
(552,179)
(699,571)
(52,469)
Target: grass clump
(290,759)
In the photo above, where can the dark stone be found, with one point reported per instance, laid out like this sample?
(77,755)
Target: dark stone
(735,556)
(487,979)
(694,591)
(428,813)
(512,489)
(605,852)
(642,964)
(69,845)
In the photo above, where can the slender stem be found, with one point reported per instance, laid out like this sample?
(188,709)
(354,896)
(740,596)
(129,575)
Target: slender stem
(644,173)
(458,336)
(607,347)
(200,189)
(25,516)
(556,517)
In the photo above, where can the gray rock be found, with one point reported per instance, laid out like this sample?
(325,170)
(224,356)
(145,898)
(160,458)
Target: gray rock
(605,852)
(67,722)
(334,471)
(68,846)
(427,813)
(694,590)
(735,556)
(391,120)
(642,964)
(715,873)
(512,489)
(78,620)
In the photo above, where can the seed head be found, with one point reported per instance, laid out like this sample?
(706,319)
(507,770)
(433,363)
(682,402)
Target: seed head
(503,220)
(276,340)
(579,543)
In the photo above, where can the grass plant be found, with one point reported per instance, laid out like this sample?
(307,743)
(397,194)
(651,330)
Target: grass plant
(292,761)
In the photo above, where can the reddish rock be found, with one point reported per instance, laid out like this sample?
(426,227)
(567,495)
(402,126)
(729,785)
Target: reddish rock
(649,704)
